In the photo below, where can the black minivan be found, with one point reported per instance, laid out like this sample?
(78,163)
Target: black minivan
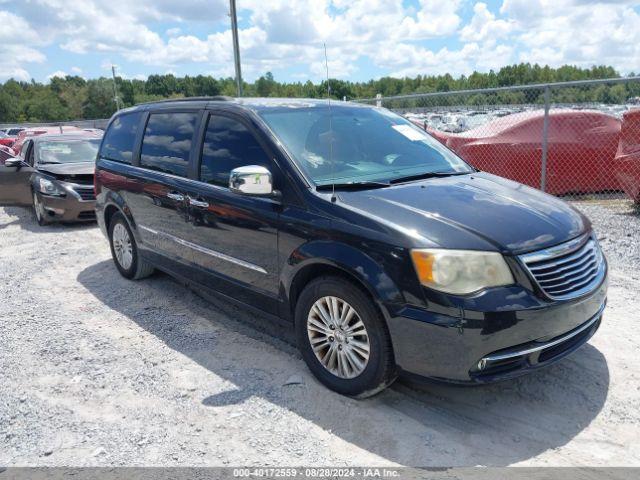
(385,251)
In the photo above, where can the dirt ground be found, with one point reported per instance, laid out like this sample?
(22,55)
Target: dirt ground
(97,370)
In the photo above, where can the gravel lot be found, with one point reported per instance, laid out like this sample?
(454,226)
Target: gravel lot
(96,370)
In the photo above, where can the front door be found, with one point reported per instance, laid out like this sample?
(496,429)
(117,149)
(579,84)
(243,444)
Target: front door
(233,237)
(15,182)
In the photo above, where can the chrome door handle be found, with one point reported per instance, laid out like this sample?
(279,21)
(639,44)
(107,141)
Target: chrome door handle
(198,203)
(176,196)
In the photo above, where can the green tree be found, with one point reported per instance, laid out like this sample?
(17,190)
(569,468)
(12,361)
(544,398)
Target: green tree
(73,97)
(42,106)
(100,102)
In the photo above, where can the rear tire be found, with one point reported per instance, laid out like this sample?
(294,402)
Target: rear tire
(343,339)
(124,250)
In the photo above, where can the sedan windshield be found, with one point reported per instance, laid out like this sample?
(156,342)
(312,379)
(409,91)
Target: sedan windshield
(350,144)
(67,151)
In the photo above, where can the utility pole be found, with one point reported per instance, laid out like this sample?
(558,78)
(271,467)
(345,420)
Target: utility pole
(115,87)
(236,45)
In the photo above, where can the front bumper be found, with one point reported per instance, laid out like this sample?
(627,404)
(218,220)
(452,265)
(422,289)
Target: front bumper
(68,209)
(521,334)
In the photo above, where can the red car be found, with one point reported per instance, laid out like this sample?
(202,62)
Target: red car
(627,161)
(581,149)
(32,132)
(6,152)
(6,140)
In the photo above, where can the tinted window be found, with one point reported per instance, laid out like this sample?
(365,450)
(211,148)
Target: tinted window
(167,142)
(228,144)
(120,138)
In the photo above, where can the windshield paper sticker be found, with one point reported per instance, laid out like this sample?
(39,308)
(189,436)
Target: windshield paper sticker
(409,132)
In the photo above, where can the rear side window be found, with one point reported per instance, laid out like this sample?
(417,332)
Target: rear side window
(167,142)
(120,138)
(228,144)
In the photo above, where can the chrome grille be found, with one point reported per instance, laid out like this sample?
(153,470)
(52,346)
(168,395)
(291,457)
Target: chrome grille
(86,193)
(567,270)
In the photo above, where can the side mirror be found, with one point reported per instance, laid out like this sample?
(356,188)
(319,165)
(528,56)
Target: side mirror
(13,162)
(251,180)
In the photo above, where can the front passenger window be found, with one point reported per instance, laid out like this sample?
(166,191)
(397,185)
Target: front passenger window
(228,144)
(167,142)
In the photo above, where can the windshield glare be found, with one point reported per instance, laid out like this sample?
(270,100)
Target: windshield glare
(67,151)
(361,144)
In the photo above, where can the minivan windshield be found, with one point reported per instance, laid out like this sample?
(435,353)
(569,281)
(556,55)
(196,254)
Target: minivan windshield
(355,144)
(67,151)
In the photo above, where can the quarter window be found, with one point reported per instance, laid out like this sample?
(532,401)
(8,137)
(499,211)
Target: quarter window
(228,144)
(120,138)
(167,142)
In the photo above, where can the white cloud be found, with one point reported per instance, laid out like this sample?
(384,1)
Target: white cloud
(338,68)
(15,72)
(16,36)
(278,34)
(58,73)
(581,32)
(406,60)
(433,19)
(16,30)
(485,27)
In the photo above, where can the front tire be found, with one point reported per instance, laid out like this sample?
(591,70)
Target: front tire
(343,339)
(124,250)
(39,211)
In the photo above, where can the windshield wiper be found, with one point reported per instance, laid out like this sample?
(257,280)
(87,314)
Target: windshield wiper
(422,176)
(49,163)
(352,185)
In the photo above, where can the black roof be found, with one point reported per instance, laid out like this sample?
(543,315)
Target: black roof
(253,103)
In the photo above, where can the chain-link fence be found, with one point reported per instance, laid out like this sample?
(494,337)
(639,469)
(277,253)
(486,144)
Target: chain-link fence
(98,123)
(576,139)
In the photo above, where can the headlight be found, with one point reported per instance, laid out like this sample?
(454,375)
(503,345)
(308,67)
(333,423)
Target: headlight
(49,188)
(460,271)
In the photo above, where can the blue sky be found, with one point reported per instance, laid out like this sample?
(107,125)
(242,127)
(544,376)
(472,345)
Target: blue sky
(365,38)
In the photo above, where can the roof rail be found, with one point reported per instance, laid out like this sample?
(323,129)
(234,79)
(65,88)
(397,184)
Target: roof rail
(216,98)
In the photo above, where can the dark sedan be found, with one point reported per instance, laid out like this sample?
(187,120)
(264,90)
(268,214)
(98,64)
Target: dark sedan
(54,175)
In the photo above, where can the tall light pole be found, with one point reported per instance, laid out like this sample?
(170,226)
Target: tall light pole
(115,87)
(236,45)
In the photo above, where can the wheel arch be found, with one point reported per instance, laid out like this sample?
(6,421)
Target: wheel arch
(113,204)
(109,211)
(318,259)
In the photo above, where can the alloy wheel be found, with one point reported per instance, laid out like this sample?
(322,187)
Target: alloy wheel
(338,337)
(122,246)
(37,207)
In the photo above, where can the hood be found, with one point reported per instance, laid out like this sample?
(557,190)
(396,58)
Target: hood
(68,169)
(475,212)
